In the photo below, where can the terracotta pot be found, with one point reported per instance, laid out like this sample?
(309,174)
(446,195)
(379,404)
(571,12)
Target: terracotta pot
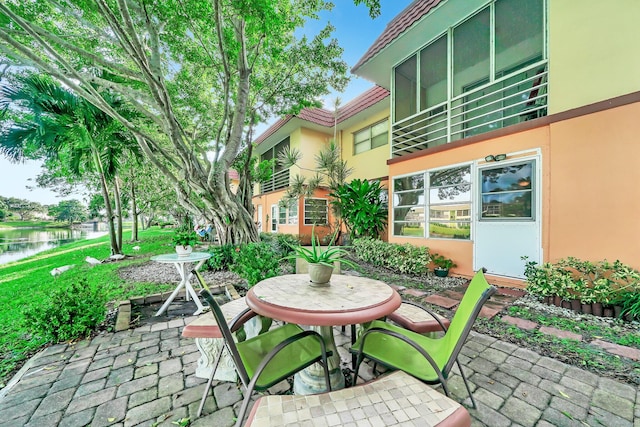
(586,308)
(607,311)
(596,308)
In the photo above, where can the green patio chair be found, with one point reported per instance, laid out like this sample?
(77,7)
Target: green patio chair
(428,359)
(268,358)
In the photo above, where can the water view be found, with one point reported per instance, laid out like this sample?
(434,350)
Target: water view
(20,243)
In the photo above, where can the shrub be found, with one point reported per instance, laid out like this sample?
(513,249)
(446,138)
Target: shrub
(255,262)
(280,243)
(221,257)
(69,313)
(405,259)
(600,282)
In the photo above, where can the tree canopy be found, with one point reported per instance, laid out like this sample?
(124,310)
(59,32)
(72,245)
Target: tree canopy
(199,74)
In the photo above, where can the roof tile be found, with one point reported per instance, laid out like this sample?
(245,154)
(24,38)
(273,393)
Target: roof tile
(397,26)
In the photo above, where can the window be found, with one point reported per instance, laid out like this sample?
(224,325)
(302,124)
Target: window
(315,212)
(439,198)
(450,194)
(487,72)
(507,192)
(293,211)
(282,214)
(371,137)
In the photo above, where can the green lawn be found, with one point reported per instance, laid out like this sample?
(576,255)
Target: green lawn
(23,281)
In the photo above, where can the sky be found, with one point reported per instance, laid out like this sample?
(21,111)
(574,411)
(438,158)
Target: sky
(355,32)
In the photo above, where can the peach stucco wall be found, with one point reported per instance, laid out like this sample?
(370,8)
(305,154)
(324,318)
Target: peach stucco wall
(595,194)
(593,46)
(590,199)
(523,143)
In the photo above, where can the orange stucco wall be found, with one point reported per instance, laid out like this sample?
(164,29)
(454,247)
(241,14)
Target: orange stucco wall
(516,145)
(595,195)
(590,199)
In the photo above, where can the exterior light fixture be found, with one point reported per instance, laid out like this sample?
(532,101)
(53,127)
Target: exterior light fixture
(495,158)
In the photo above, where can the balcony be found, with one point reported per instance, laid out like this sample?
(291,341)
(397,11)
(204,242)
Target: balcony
(278,180)
(511,99)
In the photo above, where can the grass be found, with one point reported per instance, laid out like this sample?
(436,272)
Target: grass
(23,281)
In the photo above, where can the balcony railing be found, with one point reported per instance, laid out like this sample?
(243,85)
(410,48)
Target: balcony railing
(277,181)
(514,98)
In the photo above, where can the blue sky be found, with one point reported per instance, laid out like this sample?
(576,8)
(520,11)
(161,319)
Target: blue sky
(355,32)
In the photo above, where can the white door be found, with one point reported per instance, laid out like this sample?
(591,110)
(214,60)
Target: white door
(259,222)
(274,218)
(508,218)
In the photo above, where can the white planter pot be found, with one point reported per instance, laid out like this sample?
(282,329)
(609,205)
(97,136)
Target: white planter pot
(183,250)
(320,274)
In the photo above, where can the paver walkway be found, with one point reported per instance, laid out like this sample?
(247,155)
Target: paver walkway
(145,377)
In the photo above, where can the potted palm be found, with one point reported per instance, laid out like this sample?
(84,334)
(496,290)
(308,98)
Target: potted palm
(184,241)
(442,265)
(321,261)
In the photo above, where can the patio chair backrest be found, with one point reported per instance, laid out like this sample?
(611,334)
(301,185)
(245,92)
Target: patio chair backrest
(227,335)
(478,292)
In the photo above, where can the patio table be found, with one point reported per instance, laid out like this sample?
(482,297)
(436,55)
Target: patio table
(181,263)
(348,300)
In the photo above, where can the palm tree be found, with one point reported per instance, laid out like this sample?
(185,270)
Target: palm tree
(51,123)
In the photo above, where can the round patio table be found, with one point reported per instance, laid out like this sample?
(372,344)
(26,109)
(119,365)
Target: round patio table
(348,300)
(181,263)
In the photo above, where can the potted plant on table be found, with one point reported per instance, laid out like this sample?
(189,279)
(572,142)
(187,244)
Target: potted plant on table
(184,241)
(442,265)
(321,261)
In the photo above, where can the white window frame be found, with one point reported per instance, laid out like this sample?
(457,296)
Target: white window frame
(369,140)
(292,219)
(427,202)
(308,221)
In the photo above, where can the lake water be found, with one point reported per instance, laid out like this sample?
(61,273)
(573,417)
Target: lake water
(20,243)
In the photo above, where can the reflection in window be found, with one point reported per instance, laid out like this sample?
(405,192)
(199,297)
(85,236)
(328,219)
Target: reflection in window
(507,192)
(293,211)
(371,137)
(449,195)
(448,198)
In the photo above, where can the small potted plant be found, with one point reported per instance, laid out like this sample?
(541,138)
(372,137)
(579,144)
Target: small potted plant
(442,265)
(184,241)
(321,261)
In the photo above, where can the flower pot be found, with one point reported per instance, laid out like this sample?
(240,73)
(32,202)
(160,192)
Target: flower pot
(441,272)
(557,301)
(182,250)
(597,308)
(319,274)
(607,311)
(586,308)
(575,305)
(548,300)
(617,311)
(566,304)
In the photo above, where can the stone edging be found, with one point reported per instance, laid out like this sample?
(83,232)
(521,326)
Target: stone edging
(123,317)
